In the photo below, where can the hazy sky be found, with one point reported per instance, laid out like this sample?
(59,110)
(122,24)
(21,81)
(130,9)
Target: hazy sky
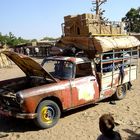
(39,18)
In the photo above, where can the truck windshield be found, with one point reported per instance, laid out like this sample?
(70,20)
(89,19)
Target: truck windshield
(59,68)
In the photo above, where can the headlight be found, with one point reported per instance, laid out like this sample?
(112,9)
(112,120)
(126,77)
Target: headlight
(19,98)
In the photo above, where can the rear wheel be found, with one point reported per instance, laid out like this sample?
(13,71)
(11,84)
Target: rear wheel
(48,114)
(120,92)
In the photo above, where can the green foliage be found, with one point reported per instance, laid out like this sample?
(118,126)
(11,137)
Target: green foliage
(132,18)
(34,40)
(50,38)
(11,40)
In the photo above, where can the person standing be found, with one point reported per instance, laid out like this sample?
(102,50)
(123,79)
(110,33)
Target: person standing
(36,51)
(28,51)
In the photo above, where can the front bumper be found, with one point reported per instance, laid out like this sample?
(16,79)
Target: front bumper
(18,115)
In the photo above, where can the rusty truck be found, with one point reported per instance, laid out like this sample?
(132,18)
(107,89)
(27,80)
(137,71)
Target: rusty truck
(62,83)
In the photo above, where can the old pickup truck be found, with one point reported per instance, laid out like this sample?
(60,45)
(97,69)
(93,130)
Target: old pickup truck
(62,83)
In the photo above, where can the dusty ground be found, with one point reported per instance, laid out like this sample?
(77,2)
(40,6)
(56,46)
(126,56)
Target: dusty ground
(79,124)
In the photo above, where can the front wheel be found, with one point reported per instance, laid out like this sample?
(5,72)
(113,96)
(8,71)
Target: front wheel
(120,92)
(48,114)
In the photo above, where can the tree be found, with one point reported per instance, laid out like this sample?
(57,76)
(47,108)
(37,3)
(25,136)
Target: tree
(50,38)
(11,40)
(2,39)
(132,20)
(34,40)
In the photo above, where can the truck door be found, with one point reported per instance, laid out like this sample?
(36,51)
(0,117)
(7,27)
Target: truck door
(84,87)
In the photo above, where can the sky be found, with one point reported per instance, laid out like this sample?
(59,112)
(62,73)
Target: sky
(35,19)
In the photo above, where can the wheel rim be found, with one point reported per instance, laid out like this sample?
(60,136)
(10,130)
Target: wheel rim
(121,91)
(47,114)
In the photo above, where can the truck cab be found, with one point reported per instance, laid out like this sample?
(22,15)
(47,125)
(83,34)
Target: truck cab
(78,73)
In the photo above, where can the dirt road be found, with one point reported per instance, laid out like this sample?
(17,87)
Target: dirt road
(79,124)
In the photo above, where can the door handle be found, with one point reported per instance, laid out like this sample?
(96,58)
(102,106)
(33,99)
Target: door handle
(92,80)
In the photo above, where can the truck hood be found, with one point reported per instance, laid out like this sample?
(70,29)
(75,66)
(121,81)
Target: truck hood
(28,65)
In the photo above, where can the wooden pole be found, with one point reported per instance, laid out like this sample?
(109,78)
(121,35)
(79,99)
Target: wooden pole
(97,7)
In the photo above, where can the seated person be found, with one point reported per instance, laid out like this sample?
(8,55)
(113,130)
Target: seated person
(67,72)
(63,70)
(108,67)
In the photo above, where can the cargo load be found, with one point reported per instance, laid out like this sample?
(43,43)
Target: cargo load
(100,43)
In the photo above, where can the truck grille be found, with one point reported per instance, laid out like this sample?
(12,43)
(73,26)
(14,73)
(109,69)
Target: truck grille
(9,102)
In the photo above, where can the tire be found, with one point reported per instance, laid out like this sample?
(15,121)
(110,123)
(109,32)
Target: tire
(120,92)
(48,114)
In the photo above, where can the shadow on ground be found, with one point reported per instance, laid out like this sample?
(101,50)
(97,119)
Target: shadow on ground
(16,125)
(77,110)
(132,134)
(20,125)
